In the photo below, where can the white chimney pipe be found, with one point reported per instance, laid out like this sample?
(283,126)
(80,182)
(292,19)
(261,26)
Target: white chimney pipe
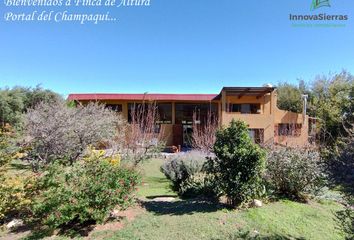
(304,108)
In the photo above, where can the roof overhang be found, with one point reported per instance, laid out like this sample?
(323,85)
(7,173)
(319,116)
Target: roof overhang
(247,91)
(143,97)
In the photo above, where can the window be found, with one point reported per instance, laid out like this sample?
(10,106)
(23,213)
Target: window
(115,107)
(255,108)
(235,108)
(164,113)
(289,129)
(185,111)
(138,109)
(257,135)
(245,108)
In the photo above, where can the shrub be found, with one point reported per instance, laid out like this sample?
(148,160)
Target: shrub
(56,132)
(112,158)
(187,174)
(5,155)
(339,162)
(8,148)
(86,191)
(199,184)
(294,172)
(345,218)
(238,164)
(183,166)
(15,195)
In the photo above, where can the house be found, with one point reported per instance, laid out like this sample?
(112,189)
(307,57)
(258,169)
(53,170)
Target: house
(254,105)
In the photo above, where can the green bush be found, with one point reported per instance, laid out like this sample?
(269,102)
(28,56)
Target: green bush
(199,184)
(186,172)
(15,101)
(182,166)
(294,173)
(345,218)
(88,190)
(6,146)
(238,164)
(15,196)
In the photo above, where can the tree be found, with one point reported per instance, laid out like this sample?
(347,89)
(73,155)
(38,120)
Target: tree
(332,104)
(56,132)
(289,97)
(204,133)
(14,102)
(143,138)
(6,151)
(238,163)
(11,107)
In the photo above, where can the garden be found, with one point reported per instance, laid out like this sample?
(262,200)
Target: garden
(81,171)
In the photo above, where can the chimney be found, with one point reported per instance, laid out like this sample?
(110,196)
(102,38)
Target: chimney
(304,107)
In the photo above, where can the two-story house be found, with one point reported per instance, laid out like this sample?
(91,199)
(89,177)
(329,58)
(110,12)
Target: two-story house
(254,105)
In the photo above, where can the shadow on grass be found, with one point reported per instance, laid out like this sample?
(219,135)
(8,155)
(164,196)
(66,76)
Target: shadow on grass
(182,207)
(247,235)
(162,196)
(33,232)
(345,220)
(73,229)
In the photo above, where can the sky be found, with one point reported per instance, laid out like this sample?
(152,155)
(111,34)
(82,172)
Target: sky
(176,46)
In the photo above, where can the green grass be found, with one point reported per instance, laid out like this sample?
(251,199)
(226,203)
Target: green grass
(154,181)
(197,219)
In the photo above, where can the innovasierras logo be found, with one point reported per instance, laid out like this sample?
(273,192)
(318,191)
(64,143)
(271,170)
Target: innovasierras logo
(316,4)
(319,3)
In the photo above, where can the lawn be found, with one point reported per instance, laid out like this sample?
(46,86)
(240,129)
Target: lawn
(197,219)
(154,181)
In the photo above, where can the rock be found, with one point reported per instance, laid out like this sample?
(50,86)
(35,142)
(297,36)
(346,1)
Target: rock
(164,199)
(114,214)
(257,203)
(15,223)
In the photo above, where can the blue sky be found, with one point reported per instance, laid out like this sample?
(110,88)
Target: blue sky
(177,46)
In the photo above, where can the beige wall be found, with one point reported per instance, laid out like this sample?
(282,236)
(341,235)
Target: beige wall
(257,121)
(282,116)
